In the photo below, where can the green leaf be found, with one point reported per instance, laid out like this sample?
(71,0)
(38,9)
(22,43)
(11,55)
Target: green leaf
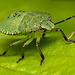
(59,56)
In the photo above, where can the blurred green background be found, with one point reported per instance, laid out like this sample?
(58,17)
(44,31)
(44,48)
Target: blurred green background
(59,55)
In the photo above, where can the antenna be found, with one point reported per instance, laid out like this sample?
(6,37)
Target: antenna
(64,20)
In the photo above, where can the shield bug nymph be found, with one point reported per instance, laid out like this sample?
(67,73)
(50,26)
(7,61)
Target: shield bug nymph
(31,23)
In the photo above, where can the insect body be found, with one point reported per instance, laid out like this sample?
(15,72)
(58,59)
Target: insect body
(30,23)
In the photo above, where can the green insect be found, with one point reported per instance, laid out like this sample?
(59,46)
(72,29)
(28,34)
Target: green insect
(31,23)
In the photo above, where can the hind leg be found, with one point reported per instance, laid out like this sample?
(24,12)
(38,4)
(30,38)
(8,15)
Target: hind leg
(15,43)
(65,36)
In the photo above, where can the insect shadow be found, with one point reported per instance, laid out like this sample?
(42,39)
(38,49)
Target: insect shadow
(28,50)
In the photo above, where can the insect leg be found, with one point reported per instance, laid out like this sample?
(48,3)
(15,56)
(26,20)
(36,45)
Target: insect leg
(41,54)
(4,52)
(65,36)
(43,33)
(25,44)
(64,20)
(15,43)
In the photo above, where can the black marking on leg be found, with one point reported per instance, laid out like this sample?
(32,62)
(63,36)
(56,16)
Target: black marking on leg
(65,36)
(64,20)
(43,34)
(20,58)
(3,53)
(41,54)
(22,54)
(6,50)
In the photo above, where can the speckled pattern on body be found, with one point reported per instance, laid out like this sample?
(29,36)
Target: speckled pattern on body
(25,21)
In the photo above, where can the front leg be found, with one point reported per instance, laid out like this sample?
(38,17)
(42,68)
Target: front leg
(41,54)
(65,36)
